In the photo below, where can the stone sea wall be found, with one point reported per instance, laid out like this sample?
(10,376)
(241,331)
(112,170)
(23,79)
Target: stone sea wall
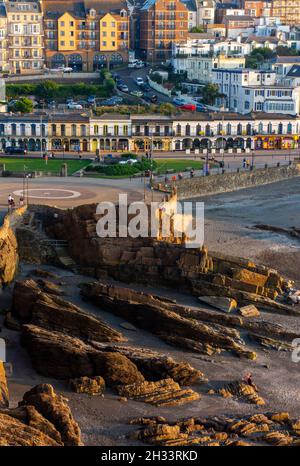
(214,184)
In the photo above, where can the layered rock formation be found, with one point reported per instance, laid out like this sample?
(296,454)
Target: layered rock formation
(275,429)
(66,343)
(31,305)
(191,328)
(242,390)
(125,369)
(43,418)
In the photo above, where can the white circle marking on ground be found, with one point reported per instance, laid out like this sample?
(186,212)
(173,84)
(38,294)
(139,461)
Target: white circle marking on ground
(69,194)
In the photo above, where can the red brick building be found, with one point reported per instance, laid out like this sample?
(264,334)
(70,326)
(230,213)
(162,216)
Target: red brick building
(162,22)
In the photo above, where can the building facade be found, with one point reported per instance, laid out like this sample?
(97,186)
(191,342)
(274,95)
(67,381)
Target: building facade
(200,67)
(86,35)
(140,133)
(287,10)
(162,23)
(4,63)
(29,132)
(25,44)
(256,91)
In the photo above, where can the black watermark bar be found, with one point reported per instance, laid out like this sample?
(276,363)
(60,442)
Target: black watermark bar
(119,455)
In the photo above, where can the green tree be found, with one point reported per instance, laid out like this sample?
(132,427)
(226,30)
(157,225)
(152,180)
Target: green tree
(166,109)
(196,29)
(258,55)
(209,93)
(24,105)
(47,90)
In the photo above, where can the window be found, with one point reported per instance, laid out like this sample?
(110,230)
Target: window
(96,129)
(73,130)
(105,130)
(125,130)
(116,130)
(63,130)
(62,23)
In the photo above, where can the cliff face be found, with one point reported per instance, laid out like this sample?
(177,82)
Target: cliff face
(9,257)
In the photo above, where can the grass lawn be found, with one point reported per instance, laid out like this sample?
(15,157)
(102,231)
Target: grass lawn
(39,164)
(177,164)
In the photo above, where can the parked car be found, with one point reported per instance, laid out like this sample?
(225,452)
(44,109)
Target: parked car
(139,64)
(128,162)
(189,107)
(74,106)
(201,108)
(138,80)
(115,100)
(123,87)
(91,99)
(132,64)
(137,93)
(178,101)
(15,150)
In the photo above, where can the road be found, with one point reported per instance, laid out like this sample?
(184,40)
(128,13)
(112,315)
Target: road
(128,75)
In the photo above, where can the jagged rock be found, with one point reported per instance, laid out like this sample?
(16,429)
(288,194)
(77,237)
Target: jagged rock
(160,317)
(53,408)
(162,393)
(271,343)
(280,418)
(117,369)
(32,306)
(55,354)
(157,366)
(31,417)
(195,346)
(243,390)
(219,302)
(15,433)
(4,396)
(278,439)
(158,433)
(148,420)
(249,311)
(90,385)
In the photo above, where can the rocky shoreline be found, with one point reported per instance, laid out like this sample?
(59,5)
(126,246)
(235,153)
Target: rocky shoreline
(109,333)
